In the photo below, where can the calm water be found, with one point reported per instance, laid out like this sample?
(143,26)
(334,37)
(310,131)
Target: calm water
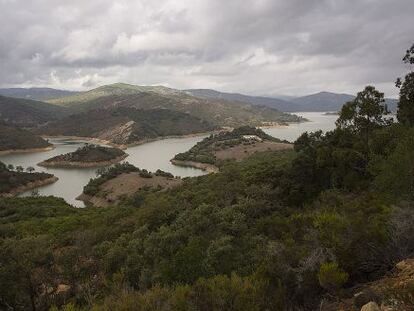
(317,121)
(151,156)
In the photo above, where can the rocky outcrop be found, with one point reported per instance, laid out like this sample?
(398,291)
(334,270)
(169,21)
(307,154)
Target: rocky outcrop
(119,134)
(370,306)
(393,292)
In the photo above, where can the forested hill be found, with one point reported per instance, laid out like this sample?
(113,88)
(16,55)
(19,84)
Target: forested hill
(126,125)
(13,138)
(29,113)
(215,111)
(36,93)
(280,104)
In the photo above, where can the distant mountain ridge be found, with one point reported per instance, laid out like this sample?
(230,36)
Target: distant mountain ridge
(327,101)
(217,111)
(319,102)
(122,92)
(280,104)
(36,93)
(29,113)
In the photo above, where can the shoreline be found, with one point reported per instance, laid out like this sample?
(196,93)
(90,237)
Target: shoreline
(29,186)
(29,150)
(67,164)
(84,138)
(125,146)
(209,168)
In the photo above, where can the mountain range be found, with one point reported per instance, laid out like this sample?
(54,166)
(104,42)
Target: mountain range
(35,93)
(81,101)
(319,102)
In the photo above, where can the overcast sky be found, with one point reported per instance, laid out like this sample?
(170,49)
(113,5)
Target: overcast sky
(266,47)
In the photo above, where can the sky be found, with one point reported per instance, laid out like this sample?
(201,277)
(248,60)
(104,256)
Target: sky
(261,47)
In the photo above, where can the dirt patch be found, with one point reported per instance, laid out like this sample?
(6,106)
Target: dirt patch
(243,151)
(126,185)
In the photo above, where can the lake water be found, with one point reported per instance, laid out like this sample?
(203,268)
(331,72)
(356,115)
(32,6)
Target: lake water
(317,121)
(151,156)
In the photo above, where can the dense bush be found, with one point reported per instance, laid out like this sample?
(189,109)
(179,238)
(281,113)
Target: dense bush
(89,153)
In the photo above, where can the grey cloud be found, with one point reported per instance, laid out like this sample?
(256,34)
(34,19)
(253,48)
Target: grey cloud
(252,46)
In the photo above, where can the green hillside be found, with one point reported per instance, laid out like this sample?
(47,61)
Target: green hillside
(36,93)
(126,125)
(216,111)
(29,113)
(14,138)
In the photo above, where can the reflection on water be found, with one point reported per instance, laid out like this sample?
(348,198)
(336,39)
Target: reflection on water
(151,156)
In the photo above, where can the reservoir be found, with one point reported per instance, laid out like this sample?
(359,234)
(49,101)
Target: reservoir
(151,156)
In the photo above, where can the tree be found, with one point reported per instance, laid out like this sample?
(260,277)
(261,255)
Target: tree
(10,167)
(364,114)
(30,169)
(19,168)
(405,114)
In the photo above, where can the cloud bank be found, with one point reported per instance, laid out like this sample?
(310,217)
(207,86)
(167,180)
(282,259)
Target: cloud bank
(263,47)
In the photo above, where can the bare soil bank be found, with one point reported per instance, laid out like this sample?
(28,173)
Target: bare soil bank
(126,185)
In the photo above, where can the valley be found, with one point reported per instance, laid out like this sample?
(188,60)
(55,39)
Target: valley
(151,155)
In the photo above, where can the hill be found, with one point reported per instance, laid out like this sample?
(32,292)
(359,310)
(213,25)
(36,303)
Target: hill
(119,89)
(280,104)
(14,180)
(235,145)
(219,112)
(13,138)
(122,182)
(29,113)
(35,93)
(126,125)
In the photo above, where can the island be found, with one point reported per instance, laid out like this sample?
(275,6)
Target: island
(124,181)
(235,145)
(87,156)
(17,140)
(16,180)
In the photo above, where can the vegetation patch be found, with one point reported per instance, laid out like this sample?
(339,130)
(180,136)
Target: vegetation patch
(236,145)
(14,180)
(87,156)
